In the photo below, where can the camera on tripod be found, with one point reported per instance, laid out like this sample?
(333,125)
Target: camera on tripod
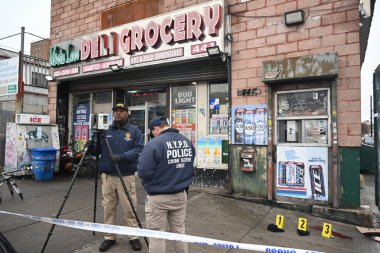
(99,121)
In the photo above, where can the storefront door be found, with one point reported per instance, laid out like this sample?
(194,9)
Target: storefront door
(141,115)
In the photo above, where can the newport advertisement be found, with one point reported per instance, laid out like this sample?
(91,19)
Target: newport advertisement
(81,121)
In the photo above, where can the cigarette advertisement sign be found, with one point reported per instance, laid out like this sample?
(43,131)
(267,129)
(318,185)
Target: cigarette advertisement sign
(9,76)
(81,120)
(250,124)
(302,172)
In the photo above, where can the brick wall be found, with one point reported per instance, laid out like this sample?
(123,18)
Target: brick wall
(329,27)
(40,49)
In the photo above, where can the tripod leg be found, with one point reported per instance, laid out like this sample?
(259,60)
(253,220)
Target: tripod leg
(126,190)
(96,187)
(67,195)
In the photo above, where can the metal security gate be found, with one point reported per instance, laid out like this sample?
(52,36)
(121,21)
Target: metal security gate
(205,70)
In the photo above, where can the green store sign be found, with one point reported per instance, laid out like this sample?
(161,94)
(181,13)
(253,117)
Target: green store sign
(12,89)
(60,56)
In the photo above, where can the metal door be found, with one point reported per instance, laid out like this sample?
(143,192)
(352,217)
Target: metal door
(141,115)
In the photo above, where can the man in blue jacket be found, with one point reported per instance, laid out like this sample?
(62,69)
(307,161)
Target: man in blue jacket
(166,169)
(126,142)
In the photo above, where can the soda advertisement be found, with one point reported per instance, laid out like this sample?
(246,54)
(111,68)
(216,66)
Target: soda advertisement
(250,124)
(81,121)
(209,152)
(302,172)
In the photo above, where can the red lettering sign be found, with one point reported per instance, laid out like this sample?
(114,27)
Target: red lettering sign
(184,26)
(35,120)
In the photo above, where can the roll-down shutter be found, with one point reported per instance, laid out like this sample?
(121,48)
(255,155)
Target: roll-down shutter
(210,69)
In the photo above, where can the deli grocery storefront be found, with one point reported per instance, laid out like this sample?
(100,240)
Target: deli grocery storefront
(160,68)
(270,118)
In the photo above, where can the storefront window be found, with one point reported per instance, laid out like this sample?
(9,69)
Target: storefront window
(183,106)
(82,98)
(218,102)
(303,117)
(103,97)
(139,97)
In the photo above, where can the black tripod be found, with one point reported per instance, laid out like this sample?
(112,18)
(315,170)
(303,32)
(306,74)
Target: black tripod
(125,189)
(98,135)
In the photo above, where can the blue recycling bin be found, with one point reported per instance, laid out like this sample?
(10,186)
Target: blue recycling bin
(43,163)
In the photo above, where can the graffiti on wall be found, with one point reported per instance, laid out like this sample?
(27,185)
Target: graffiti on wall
(38,135)
(10,147)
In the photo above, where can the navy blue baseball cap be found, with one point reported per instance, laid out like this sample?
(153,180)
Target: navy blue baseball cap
(157,121)
(120,106)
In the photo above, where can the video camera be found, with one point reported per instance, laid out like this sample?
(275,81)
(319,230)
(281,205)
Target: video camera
(99,121)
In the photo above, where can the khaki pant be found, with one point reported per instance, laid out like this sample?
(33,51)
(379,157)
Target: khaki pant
(112,194)
(166,213)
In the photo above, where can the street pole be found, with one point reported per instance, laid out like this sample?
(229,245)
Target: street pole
(20,93)
(370,112)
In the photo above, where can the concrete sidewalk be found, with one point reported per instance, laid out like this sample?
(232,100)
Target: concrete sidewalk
(238,221)
(208,215)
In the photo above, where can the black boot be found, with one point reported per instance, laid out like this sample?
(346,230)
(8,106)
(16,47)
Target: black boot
(106,245)
(136,245)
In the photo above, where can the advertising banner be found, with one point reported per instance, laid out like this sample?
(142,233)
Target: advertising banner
(302,172)
(9,76)
(81,121)
(250,124)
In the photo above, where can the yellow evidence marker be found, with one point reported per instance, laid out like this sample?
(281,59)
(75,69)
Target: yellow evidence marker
(302,224)
(327,230)
(280,221)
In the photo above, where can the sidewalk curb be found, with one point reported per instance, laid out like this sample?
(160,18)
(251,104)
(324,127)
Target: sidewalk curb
(360,217)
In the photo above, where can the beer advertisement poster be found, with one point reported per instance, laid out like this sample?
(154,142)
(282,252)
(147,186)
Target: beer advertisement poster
(302,172)
(250,124)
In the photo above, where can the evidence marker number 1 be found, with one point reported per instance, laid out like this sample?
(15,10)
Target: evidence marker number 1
(280,221)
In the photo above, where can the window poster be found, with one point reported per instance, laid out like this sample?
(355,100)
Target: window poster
(183,120)
(302,172)
(209,152)
(250,124)
(219,124)
(81,121)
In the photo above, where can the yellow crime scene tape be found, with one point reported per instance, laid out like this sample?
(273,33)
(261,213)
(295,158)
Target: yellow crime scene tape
(104,228)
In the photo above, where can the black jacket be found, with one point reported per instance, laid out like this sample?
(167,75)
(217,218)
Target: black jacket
(166,163)
(126,141)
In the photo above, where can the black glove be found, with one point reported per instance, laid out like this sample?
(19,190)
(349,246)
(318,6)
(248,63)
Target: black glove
(89,144)
(115,158)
